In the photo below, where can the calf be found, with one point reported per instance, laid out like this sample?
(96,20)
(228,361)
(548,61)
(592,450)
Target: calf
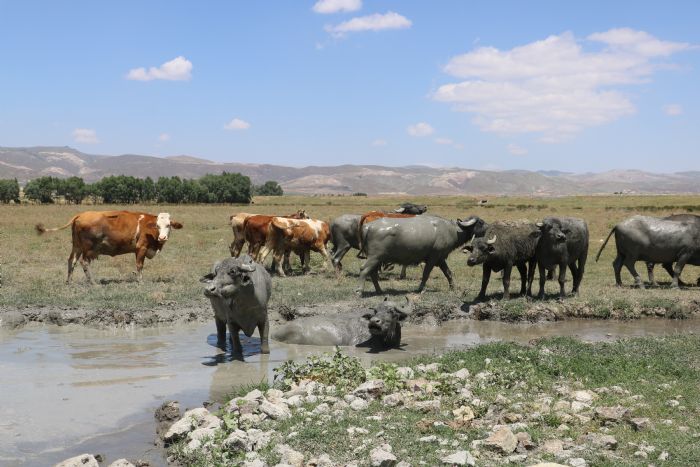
(298,235)
(504,245)
(563,242)
(237,222)
(239,290)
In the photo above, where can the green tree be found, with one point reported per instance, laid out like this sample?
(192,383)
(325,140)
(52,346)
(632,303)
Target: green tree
(269,188)
(9,190)
(42,189)
(169,190)
(227,188)
(73,189)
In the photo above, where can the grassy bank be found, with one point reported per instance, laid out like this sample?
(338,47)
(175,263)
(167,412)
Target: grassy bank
(33,267)
(630,402)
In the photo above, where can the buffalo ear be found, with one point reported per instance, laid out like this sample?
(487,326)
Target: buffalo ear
(176,225)
(368,316)
(400,314)
(491,248)
(469,248)
(207,277)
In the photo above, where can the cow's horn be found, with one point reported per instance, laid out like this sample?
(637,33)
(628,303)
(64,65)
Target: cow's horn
(491,241)
(247,267)
(471,221)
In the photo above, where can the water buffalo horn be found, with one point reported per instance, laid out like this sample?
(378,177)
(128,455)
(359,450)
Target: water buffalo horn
(469,222)
(540,224)
(491,241)
(400,210)
(247,267)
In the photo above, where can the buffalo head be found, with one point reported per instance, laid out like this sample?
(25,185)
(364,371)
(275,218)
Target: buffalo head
(230,277)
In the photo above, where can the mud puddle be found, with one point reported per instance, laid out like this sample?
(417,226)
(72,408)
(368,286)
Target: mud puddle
(68,390)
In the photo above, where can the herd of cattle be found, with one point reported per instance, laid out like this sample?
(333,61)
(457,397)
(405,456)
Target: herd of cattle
(239,287)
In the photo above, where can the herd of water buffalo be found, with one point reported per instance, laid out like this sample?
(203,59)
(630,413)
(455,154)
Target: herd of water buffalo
(239,287)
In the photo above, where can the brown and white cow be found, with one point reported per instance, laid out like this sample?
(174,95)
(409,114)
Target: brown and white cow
(255,230)
(237,222)
(115,233)
(300,236)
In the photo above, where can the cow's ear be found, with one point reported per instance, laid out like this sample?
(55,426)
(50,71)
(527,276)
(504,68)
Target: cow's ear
(207,277)
(176,225)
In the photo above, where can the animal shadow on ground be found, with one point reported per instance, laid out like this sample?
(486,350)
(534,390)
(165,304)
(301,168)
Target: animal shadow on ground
(134,280)
(251,346)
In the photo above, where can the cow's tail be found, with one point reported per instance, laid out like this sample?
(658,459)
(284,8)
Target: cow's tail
(40,229)
(604,243)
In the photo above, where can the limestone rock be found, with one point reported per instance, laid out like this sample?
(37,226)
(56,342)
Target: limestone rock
(611,414)
(382,456)
(275,411)
(370,389)
(502,440)
(459,458)
(83,460)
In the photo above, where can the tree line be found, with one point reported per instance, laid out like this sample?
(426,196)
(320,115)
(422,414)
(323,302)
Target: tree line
(125,189)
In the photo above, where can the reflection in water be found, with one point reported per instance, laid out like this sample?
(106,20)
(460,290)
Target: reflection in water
(70,390)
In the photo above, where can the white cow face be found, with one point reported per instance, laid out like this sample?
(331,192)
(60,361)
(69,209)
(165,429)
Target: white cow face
(164,225)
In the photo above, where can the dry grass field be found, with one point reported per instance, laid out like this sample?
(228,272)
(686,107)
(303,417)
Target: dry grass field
(33,267)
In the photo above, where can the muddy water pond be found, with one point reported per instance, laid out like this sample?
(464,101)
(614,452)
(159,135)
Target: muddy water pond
(68,390)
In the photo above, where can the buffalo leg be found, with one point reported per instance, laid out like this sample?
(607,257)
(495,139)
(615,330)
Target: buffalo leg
(403,272)
(678,269)
(264,329)
(220,333)
(543,278)
(485,277)
(575,277)
(617,267)
(650,274)
(375,281)
(237,348)
(506,280)
(427,269)
(580,268)
(522,269)
(338,255)
(446,271)
(669,268)
(530,276)
(629,264)
(562,279)
(369,269)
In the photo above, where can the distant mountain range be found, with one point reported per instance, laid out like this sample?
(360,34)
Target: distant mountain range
(27,163)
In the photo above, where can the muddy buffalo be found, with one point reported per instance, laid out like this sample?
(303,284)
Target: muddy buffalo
(410,208)
(414,240)
(239,290)
(653,240)
(344,236)
(564,242)
(694,261)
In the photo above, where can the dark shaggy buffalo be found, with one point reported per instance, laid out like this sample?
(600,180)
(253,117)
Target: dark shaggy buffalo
(504,245)
(239,290)
(414,240)
(694,261)
(377,328)
(410,208)
(653,240)
(564,242)
(344,236)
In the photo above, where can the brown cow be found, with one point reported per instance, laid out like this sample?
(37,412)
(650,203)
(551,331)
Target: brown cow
(300,236)
(237,222)
(115,233)
(255,229)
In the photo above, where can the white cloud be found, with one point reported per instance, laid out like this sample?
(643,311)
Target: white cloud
(553,86)
(237,124)
(516,150)
(334,6)
(444,141)
(673,110)
(379,142)
(163,137)
(420,129)
(85,135)
(375,22)
(177,69)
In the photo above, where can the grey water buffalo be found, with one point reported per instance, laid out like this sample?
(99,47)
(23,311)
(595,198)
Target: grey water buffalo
(377,328)
(410,208)
(694,261)
(564,242)
(344,236)
(653,240)
(504,245)
(414,240)
(239,290)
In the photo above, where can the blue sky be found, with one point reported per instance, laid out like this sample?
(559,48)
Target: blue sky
(576,86)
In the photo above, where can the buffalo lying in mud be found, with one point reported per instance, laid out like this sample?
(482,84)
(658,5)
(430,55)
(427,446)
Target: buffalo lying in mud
(377,328)
(504,245)
(414,240)
(239,290)
(653,240)
(564,242)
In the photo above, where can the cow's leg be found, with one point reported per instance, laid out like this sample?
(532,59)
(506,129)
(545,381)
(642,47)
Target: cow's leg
(522,270)
(446,271)
(427,269)
(306,262)
(543,278)
(403,272)
(562,279)
(506,280)
(277,259)
(220,333)
(327,262)
(236,347)
(264,329)
(369,269)
(236,246)
(287,264)
(72,259)
(140,258)
(617,267)
(629,264)
(85,263)
(485,277)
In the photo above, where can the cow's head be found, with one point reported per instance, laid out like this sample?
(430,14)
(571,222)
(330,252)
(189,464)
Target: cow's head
(552,231)
(164,224)
(384,321)
(300,214)
(230,277)
(480,250)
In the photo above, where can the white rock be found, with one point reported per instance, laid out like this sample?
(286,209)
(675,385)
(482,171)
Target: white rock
(459,458)
(359,404)
(353,430)
(429,368)
(192,419)
(275,411)
(289,455)
(321,409)
(462,374)
(578,462)
(370,389)
(121,463)
(295,401)
(405,372)
(83,460)
(428,439)
(254,395)
(382,456)
(584,396)
(663,456)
